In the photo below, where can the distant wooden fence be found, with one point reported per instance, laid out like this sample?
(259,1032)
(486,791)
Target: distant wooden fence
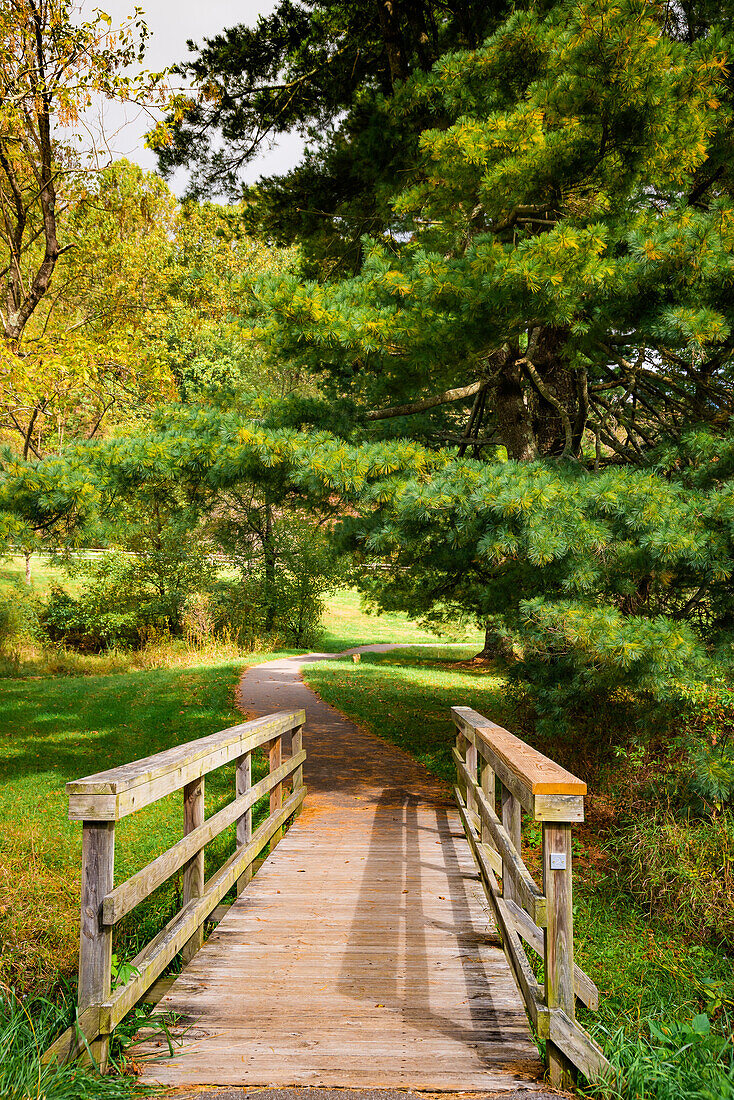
(491,761)
(98,801)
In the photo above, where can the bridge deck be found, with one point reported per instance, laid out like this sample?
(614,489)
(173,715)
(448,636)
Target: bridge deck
(362,954)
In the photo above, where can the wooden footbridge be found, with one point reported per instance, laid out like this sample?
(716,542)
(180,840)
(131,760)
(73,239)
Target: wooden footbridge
(380,943)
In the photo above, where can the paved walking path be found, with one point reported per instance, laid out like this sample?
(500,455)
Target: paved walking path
(362,955)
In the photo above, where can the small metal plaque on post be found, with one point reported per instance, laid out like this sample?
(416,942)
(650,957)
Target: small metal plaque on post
(558,861)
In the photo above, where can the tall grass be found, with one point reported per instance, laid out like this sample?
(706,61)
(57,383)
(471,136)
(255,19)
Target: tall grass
(26,1029)
(669,1059)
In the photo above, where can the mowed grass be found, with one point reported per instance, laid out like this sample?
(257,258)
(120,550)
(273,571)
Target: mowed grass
(43,574)
(346,624)
(643,969)
(61,728)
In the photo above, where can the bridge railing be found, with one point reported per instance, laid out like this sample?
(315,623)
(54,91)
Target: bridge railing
(493,764)
(100,800)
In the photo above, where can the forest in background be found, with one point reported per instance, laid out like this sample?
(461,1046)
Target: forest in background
(473,355)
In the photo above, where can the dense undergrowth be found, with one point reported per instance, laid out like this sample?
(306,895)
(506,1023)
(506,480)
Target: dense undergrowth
(653,904)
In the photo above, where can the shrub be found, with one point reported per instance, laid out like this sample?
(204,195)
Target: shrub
(116,607)
(19,621)
(670,1059)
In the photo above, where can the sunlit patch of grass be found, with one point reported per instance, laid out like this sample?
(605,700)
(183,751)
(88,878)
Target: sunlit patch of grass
(346,624)
(57,729)
(405,697)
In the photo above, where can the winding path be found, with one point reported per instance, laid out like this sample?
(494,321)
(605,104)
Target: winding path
(362,955)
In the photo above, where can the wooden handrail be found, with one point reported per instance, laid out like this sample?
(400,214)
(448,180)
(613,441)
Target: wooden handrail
(491,761)
(100,800)
(542,787)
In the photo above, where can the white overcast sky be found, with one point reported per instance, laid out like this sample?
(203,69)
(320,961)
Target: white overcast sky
(172,23)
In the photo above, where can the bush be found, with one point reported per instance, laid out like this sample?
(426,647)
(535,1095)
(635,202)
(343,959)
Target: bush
(19,623)
(118,606)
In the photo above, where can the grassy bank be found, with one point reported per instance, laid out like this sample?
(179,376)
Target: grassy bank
(662,989)
(56,729)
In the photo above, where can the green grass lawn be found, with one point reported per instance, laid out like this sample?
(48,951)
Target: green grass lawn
(347,624)
(644,970)
(43,573)
(61,728)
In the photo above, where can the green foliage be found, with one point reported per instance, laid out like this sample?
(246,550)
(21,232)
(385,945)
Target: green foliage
(328,70)
(567,234)
(27,1028)
(682,871)
(19,620)
(676,1060)
(123,598)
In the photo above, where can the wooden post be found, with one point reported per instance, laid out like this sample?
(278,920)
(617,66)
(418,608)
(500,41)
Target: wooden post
(488,784)
(95,940)
(461,743)
(558,936)
(512,821)
(276,795)
(243,779)
(471,767)
(193,870)
(296,746)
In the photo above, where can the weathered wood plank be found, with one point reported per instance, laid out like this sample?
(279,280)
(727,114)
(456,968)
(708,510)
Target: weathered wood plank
(139,886)
(95,940)
(193,871)
(535,772)
(155,957)
(579,1047)
(558,954)
(276,794)
(112,794)
(525,890)
(586,990)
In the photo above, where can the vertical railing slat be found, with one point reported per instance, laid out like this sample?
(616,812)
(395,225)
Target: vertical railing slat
(193,871)
(276,795)
(558,936)
(512,821)
(488,790)
(243,782)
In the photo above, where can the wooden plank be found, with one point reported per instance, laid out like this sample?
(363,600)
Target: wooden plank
(586,990)
(580,1049)
(536,772)
(139,886)
(243,787)
(112,794)
(512,822)
(526,892)
(276,795)
(559,807)
(155,957)
(558,953)
(70,1044)
(488,784)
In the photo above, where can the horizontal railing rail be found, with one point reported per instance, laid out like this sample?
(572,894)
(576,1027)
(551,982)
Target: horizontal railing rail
(100,800)
(492,763)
